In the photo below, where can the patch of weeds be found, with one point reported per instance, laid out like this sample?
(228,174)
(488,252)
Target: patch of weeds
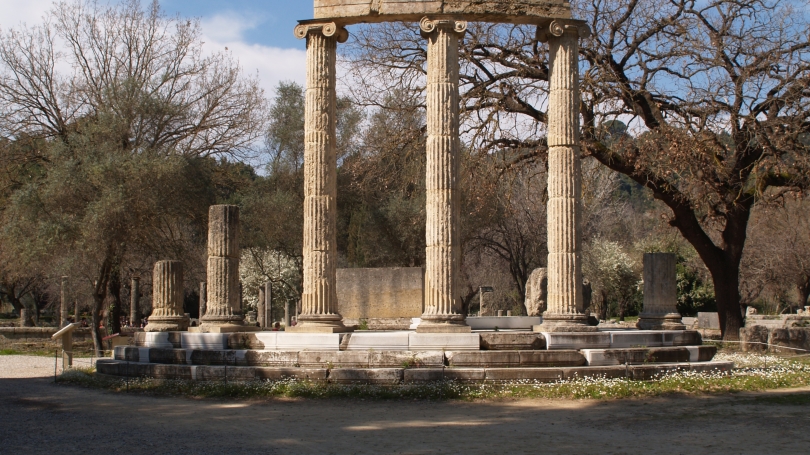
(363,324)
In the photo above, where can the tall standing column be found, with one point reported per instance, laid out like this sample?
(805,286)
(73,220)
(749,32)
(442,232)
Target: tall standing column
(319,299)
(565,304)
(63,303)
(443,250)
(660,294)
(223,306)
(167,298)
(260,308)
(134,297)
(268,304)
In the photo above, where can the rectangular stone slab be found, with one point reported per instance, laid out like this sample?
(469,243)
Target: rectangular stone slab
(209,341)
(512,11)
(406,359)
(308,341)
(443,341)
(515,374)
(569,340)
(557,358)
(483,358)
(412,375)
(333,359)
(379,341)
(365,375)
(509,341)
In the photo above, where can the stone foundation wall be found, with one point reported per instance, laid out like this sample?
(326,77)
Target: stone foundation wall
(757,338)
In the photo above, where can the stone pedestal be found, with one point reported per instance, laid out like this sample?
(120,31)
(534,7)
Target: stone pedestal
(660,294)
(443,248)
(167,298)
(63,302)
(223,306)
(134,298)
(565,312)
(319,299)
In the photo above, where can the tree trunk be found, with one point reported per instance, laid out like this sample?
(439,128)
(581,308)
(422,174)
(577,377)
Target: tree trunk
(115,308)
(98,308)
(726,278)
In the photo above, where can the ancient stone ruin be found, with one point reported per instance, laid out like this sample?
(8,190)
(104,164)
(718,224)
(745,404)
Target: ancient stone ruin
(562,345)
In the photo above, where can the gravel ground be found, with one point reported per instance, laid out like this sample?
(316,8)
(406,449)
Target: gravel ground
(29,366)
(41,417)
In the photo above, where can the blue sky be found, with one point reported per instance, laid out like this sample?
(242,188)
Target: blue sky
(257,32)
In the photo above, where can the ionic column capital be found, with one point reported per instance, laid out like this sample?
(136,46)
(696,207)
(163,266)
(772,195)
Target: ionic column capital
(429,25)
(558,28)
(327,29)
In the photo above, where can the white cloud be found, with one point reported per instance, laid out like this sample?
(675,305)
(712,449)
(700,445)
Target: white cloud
(272,64)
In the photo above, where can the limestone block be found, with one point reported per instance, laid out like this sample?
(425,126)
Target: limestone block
(508,11)
(754,338)
(164,340)
(380,341)
(684,337)
(264,340)
(167,356)
(536,292)
(415,375)
(660,293)
(499,341)
(793,338)
(601,357)
(483,358)
(271,358)
(636,339)
(503,322)
(708,320)
(211,341)
(557,358)
(276,373)
(366,293)
(567,340)
(444,341)
(223,231)
(406,359)
(514,374)
(701,353)
(334,359)
(308,341)
(365,375)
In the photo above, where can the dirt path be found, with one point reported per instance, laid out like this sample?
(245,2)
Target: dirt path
(40,417)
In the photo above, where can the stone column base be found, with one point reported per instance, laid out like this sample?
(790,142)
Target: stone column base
(564,323)
(226,328)
(319,323)
(443,323)
(670,321)
(167,324)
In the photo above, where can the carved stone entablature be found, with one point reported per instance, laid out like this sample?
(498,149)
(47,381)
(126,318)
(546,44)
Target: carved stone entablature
(428,25)
(559,27)
(329,29)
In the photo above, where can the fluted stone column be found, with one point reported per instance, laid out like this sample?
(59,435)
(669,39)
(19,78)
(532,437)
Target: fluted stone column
(443,249)
(202,298)
(134,298)
(319,299)
(167,298)
(660,294)
(260,307)
(223,307)
(564,305)
(63,302)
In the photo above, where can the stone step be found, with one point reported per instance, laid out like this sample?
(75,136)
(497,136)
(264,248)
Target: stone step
(120,369)
(514,358)
(622,339)
(600,357)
